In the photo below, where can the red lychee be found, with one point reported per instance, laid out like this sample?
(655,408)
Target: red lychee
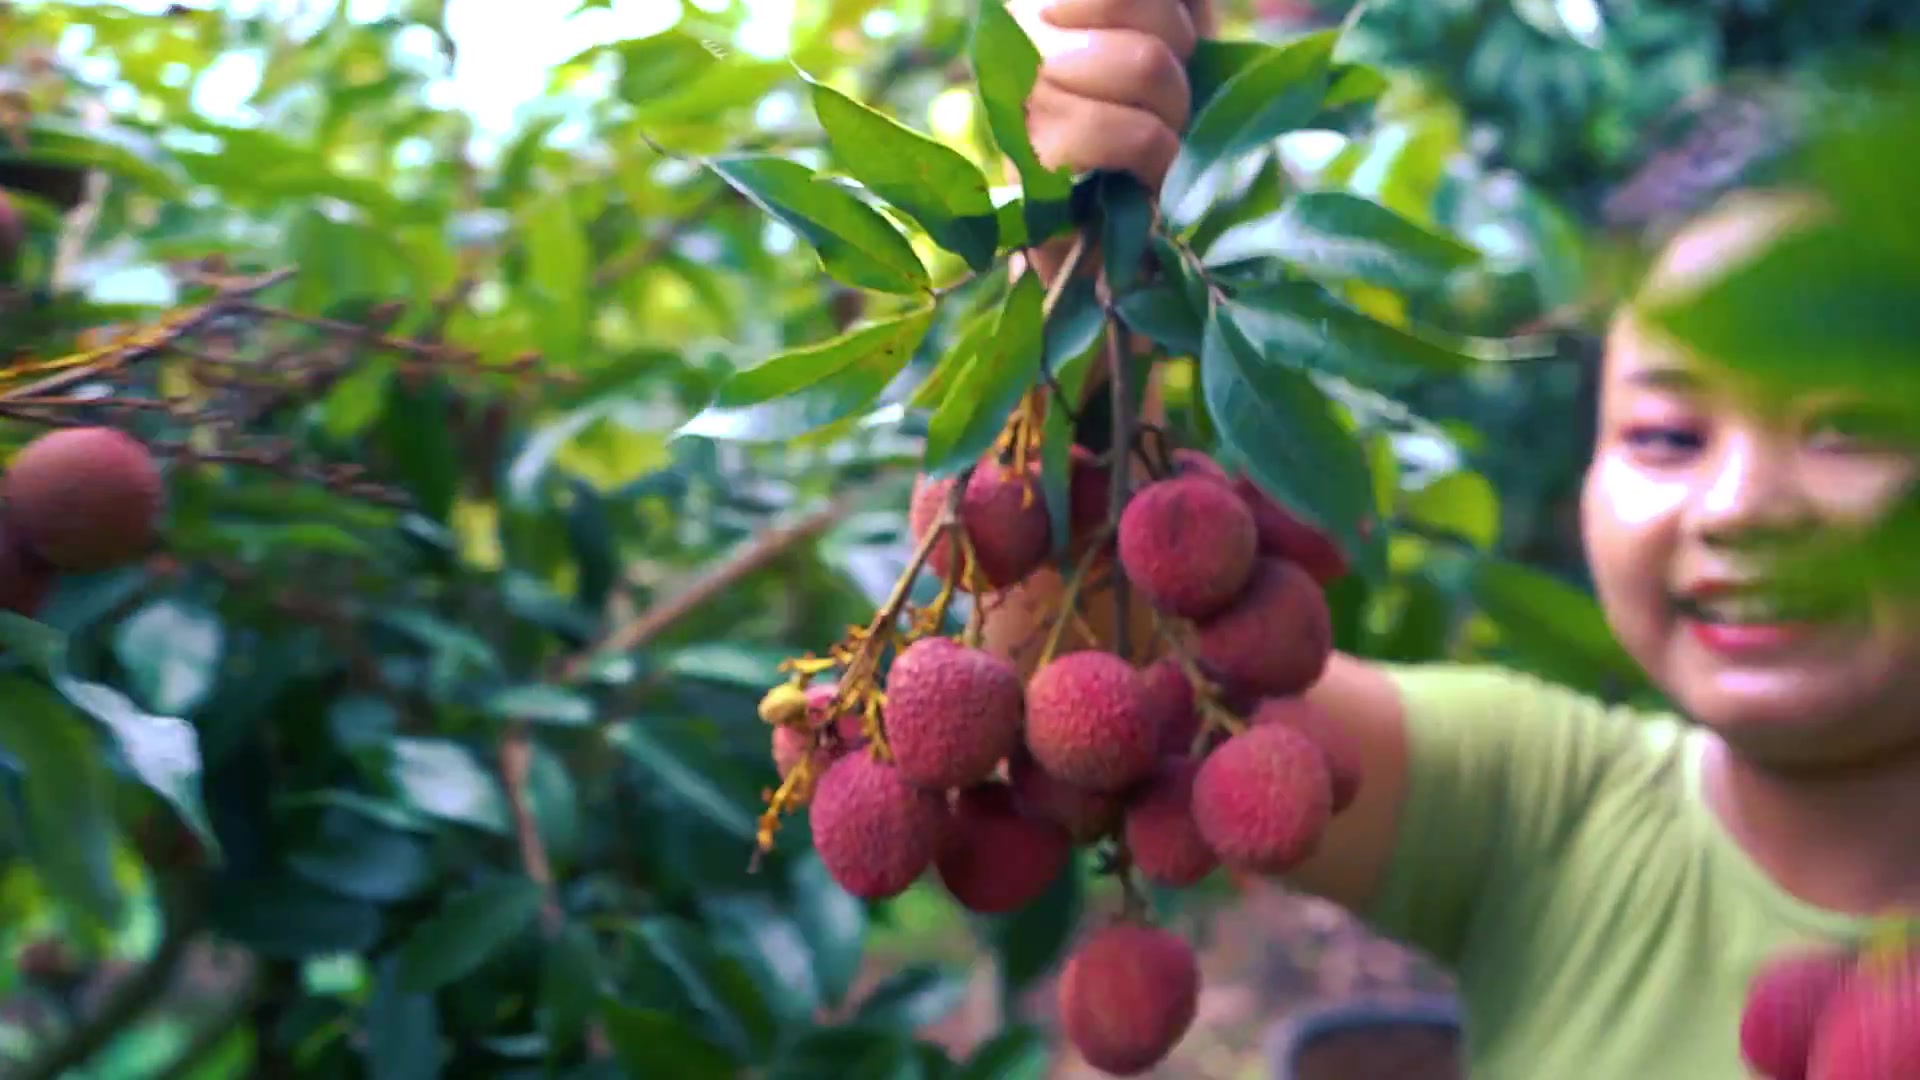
(85,499)
(1087,721)
(1284,535)
(1332,737)
(1870,1028)
(1188,543)
(25,578)
(1783,1008)
(1085,815)
(790,744)
(995,857)
(1276,636)
(1262,798)
(1004,515)
(1162,838)
(1170,699)
(875,832)
(952,712)
(11,232)
(1127,995)
(1187,461)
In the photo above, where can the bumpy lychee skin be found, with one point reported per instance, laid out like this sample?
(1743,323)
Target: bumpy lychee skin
(1783,1009)
(1188,543)
(1262,798)
(875,832)
(85,499)
(1334,739)
(1005,518)
(1276,636)
(1085,815)
(952,713)
(995,856)
(1127,996)
(1170,700)
(1283,535)
(1162,838)
(1870,1029)
(790,744)
(25,578)
(1087,721)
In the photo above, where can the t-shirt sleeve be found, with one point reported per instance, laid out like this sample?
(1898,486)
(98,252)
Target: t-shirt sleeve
(1501,767)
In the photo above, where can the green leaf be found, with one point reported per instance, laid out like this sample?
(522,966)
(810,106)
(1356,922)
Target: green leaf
(650,1042)
(978,326)
(913,997)
(359,856)
(1284,428)
(67,796)
(685,783)
(1335,236)
(402,1030)
(571,982)
(1006,65)
(1126,224)
(1303,326)
(171,650)
(1074,336)
(1276,93)
(835,924)
(856,244)
(287,918)
(443,779)
(556,276)
(162,751)
(813,386)
(466,932)
(1461,503)
(539,703)
(923,178)
(42,647)
(984,395)
(1553,621)
(767,940)
(718,987)
(1162,314)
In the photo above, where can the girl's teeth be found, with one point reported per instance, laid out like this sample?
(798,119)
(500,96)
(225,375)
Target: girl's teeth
(1751,609)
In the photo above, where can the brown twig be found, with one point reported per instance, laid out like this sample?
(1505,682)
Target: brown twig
(516,759)
(717,578)
(1119,442)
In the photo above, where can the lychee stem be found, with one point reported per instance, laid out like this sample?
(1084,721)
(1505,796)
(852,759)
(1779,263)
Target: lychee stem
(1121,441)
(1070,596)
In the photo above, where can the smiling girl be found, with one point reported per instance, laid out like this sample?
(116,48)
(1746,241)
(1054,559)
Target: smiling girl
(1605,883)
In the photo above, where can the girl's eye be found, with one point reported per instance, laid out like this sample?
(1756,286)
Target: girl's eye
(1663,441)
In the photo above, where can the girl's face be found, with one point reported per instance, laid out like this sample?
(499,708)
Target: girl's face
(1699,486)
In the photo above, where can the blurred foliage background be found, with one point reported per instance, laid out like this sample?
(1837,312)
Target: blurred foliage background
(561,641)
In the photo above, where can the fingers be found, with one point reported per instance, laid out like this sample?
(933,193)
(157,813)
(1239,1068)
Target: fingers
(1167,20)
(1123,67)
(1081,133)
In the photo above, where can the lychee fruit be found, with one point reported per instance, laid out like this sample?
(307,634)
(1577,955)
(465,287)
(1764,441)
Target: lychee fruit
(1127,995)
(25,578)
(1334,739)
(1870,1028)
(1262,799)
(1284,535)
(1170,699)
(875,832)
(952,712)
(1005,517)
(1188,544)
(1085,815)
(85,498)
(1187,461)
(1783,1008)
(1274,638)
(1088,723)
(790,743)
(1162,838)
(995,857)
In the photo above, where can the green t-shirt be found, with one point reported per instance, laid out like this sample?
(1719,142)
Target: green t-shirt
(1556,854)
